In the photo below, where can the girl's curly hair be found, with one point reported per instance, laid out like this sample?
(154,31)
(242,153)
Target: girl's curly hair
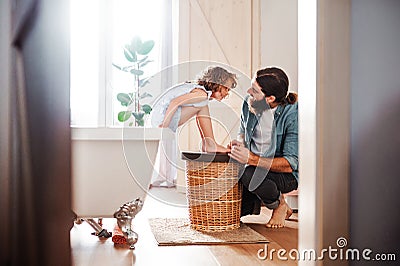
(214,76)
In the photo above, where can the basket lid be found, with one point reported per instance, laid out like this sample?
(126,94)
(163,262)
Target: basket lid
(220,157)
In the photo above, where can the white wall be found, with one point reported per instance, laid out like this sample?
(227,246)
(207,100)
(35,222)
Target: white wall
(279,37)
(324,123)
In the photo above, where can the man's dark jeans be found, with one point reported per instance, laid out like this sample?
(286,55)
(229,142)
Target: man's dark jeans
(267,192)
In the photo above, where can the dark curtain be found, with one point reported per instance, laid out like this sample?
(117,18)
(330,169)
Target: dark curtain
(38,202)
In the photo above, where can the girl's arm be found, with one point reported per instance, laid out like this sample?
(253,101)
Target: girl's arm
(204,124)
(196,95)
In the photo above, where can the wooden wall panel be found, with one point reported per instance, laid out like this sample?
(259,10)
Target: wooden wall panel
(225,32)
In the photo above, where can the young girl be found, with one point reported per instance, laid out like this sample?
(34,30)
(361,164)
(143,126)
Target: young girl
(184,101)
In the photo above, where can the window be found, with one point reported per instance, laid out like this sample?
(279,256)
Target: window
(99,30)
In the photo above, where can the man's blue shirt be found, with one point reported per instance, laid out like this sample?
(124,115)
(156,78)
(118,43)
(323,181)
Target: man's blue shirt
(285,141)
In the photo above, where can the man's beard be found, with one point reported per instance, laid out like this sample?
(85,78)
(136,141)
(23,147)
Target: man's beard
(257,107)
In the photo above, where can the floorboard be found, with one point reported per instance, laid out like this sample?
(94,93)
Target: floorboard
(162,202)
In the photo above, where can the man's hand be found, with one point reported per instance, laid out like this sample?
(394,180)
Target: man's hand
(239,152)
(234,143)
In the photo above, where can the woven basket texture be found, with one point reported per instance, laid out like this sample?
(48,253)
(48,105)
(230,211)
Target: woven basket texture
(214,195)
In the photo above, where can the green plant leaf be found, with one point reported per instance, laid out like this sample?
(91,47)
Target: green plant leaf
(140,122)
(120,68)
(145,95)
(127,68)
(132,95)
(138,115)
(146,47)
(137,72)
(131,124)
(146,108)
(135,45)
(142,64)
(124,99)
(124,115)
(143,59)
(130,56)
(144,82)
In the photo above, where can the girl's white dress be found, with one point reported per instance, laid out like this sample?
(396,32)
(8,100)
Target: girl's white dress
(161,104)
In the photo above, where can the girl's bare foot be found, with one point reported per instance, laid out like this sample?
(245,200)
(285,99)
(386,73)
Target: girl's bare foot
(280,214)
(221,148)
(210,146)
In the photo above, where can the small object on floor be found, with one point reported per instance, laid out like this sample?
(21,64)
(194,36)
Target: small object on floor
(103,233)
(99,231)
(118,237)
(125,215)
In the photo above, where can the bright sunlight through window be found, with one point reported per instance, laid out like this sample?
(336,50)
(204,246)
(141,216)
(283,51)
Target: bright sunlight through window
(99,31)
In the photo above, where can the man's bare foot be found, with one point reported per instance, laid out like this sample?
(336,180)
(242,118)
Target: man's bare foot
(289,212)
(280,214)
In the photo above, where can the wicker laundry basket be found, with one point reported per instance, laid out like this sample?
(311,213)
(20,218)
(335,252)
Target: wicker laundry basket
(213,192)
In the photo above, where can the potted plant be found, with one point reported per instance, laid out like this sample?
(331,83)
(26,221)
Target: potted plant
(136,53)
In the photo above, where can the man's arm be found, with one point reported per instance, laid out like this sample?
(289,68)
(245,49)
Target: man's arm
(243,155)
(277,164)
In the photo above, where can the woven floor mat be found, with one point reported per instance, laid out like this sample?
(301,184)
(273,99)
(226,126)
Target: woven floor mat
(177,231)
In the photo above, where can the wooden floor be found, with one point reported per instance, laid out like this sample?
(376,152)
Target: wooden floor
(163,202)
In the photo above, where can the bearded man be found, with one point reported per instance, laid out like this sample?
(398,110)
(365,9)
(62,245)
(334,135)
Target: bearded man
(268,145)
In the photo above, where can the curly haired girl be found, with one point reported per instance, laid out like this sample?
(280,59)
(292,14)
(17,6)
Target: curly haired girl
(186,100)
